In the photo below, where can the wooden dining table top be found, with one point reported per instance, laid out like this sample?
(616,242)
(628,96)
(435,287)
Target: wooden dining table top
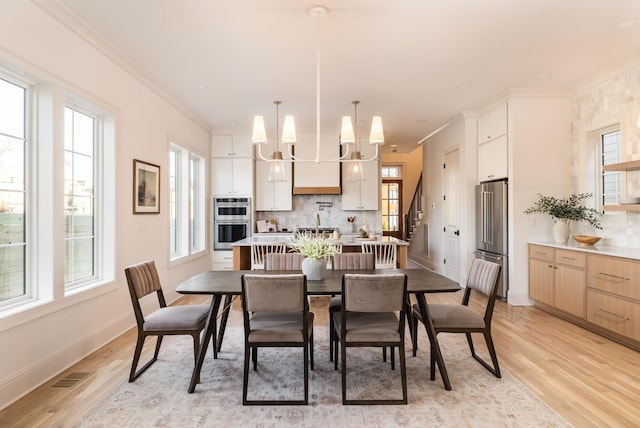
(228,282)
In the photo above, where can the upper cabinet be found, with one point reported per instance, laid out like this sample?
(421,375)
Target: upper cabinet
(224,146)
(316,178)
(362,195)
(493,123)
(492,159)
(231,165)
(493,144)
(273,196)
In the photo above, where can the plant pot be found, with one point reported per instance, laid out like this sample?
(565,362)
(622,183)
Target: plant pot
(314,269)
(561,230)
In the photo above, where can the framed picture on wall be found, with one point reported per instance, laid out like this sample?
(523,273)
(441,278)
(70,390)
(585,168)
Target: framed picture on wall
(146,188)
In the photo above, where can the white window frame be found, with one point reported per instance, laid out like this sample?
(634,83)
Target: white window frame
(190,206)
(97,199)
(44,206)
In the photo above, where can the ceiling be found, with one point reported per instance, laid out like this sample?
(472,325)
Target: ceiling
(417,63)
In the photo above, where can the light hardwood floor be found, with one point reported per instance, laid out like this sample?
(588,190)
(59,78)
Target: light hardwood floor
(588,379)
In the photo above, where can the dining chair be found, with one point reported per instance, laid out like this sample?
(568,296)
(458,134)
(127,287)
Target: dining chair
(484,278)
(283,261)
(338,250)
(372,314)
(260,249)
(276,314)
(385,253)
(143,279)
(346,261)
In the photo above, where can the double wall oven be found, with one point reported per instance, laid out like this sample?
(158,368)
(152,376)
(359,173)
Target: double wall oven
(231,221)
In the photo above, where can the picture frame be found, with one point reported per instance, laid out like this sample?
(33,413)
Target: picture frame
(146,187)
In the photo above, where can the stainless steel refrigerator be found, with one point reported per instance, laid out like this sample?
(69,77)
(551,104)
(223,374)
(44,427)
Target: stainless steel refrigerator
(491,228)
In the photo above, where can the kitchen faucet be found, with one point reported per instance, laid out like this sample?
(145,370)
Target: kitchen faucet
(317,223)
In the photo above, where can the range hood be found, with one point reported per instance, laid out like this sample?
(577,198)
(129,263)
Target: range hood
(317,190)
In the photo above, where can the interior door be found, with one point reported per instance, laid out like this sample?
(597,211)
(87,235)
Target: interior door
(392,208)
(451,215)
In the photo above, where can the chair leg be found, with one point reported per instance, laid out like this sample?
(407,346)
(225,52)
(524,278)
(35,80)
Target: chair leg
(254,357)
(492,352)
(343,356)
(311,350)
(335,353)
(196,346)
(245,374)
(306,371)
(136,356)
(433,363)
(414,337)
(331,336)
(392,349)
(384,354)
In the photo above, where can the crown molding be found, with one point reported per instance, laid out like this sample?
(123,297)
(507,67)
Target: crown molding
(80,28)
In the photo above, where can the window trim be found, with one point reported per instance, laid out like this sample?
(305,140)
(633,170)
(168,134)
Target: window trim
(186,253)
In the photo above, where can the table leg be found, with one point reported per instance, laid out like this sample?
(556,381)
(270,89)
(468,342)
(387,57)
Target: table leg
(228,299)
(431,332)
(209,332)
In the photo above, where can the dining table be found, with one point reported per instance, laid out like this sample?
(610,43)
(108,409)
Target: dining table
(228,283)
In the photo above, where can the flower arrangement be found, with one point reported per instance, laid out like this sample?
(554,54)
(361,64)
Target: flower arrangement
(351,219)
(570,209)
(312,247)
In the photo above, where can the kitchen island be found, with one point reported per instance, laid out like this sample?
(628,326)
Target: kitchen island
(350,244)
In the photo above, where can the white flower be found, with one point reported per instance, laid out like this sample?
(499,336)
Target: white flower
(313,248)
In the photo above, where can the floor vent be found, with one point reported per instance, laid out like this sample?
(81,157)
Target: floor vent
(71,380)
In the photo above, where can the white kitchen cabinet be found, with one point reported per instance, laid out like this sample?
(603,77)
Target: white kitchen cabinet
(231,165)
(232,176)
(222,260)
(321,177)
(362,195)
(273,196)
(493,159)
(225,146)
(493,123)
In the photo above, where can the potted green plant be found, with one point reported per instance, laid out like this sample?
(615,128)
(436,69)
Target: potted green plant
(565,210)
(316,251)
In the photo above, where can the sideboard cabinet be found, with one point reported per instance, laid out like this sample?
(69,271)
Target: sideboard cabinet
(598,292)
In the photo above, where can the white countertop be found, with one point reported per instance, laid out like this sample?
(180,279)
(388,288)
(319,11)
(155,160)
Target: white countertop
(346,240)
(604,250)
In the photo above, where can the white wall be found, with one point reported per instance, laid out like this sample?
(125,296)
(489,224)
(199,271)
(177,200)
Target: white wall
(460,134)
(39,344)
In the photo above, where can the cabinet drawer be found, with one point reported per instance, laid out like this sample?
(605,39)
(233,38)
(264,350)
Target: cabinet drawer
(614,275)
(613,313)
(541,253)
(571,258)
(222,256)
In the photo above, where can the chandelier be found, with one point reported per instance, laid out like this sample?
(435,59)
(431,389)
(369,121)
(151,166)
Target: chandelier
(348,137)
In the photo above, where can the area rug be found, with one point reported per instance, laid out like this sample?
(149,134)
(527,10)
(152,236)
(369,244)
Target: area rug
(159,397)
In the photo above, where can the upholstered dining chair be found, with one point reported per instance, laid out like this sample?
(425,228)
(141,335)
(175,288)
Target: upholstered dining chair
(345,261)
(260,249)
(385,253)
(459,318)
(283,261)
(368,317)
(143,279)
(276,314)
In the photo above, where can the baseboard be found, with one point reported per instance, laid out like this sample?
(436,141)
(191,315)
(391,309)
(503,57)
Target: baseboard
(518,298)
(22,383)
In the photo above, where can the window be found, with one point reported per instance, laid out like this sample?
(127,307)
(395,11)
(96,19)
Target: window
(79,197)
(187,204)
(13,144)
(391,171)
(611,183)
(57,195)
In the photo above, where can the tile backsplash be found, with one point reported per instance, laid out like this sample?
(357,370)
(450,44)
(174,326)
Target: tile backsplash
(306,208)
